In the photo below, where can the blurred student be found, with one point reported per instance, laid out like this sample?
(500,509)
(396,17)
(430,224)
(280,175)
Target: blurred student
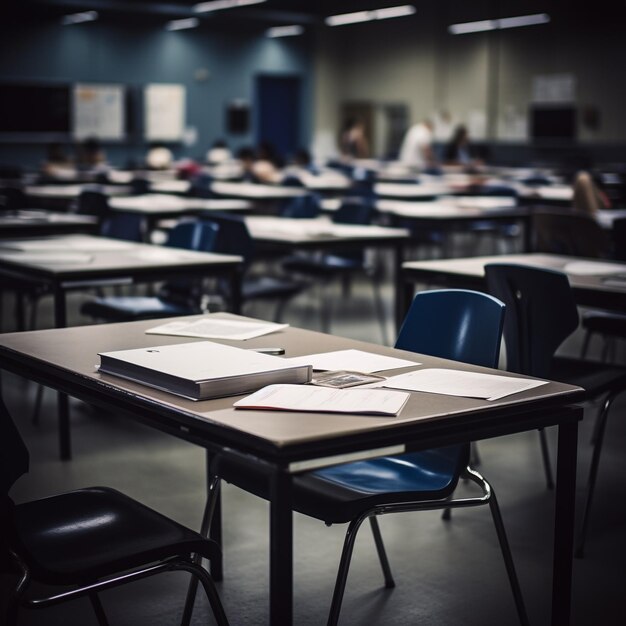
(417,146)
(587,196)
(58,163)
(353,142)
(159,157)
(457,151)
(90,155)
(218,153)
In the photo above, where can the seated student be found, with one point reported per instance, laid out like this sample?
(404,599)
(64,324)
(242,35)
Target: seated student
(58,163)
(159,157)
(352,141)
(90,155)
(588,198)
(218,153)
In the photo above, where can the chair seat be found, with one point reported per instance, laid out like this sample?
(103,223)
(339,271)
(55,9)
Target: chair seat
(133,308)
(92,533)
(270,287)
(594,377)
(605,323)
(339,494)
(327,265)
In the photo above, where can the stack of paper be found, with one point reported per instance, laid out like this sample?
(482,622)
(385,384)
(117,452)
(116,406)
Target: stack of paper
(216,328)
(352,360)
(201,370)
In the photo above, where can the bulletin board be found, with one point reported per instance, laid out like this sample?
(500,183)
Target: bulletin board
(98,111)
(164,112)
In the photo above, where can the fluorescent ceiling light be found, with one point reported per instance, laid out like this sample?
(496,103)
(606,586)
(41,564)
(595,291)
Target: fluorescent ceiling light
(79,18)
(524,20)
(284,31)
(472,27)
(190,22)
(369,16)
(505,22)
(220,5)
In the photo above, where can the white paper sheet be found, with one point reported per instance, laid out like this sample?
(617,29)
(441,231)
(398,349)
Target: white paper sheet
(47,258)
(459,383)
(352,360)
(216,329)
(324,400)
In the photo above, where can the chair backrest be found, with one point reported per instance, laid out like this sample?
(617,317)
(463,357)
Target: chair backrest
(541,313)
(233,236)
(13,452)
(127,226)
(619,239)
(193,235)
(497,190)
(139,186)
(454,324)
(93,203)
(12,199)
(306,206)
(569,233)
(353,211)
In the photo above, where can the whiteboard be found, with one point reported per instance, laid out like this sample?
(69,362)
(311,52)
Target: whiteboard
(98,111)
(164,112)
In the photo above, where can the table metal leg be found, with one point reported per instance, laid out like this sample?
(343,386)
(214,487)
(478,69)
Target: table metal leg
(281,551)
(63,405)
(401,303)
(236,280)
(564,524)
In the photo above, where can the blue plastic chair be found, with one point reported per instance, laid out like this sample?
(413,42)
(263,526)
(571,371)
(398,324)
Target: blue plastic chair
(176,297)
(233,238)
(455,324)
(126,226)
(301,207)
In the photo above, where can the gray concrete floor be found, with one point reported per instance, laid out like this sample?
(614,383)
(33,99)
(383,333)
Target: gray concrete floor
(446,573)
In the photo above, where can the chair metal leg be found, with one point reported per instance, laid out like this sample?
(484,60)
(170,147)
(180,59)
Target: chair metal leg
(593,471)
(199,573)
(37,407)
(585,346)
(207,516)
(344,566)
(15,599)
(380,308)
(382,553)
(98,609)
(325,311)
(545,454)
(508,559)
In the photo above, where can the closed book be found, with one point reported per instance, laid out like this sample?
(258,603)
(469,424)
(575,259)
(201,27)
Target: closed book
(202,370)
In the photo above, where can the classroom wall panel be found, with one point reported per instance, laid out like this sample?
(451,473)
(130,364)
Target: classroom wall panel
(215,68)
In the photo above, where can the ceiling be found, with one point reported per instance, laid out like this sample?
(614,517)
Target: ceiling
(312,12)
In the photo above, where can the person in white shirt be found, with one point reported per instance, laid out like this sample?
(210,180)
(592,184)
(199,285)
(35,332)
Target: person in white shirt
(417,146)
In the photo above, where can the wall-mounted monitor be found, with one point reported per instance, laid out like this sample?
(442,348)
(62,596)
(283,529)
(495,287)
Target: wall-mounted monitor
(553,123)
(35,110)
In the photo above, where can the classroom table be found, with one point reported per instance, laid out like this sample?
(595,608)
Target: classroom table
(39,223)
(594,282)
(67,193)
(255,191)
(78,262)
(292,235)
(410,191)
(157,206)
(454,214)
(291,442)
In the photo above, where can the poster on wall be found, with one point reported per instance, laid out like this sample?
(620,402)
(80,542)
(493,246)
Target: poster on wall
(554,89)
(164,112)
(98,111)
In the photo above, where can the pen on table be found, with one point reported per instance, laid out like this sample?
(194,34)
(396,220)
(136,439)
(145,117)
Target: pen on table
(268,350)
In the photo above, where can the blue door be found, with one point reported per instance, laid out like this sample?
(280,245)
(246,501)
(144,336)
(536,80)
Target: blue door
(278,113)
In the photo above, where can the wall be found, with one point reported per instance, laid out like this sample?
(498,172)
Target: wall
(137,54)
(488,75)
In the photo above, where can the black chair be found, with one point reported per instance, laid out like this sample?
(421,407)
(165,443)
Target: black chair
(175,297)
(301,207)
(341,263)
(233,238)
(88,540)
(12,199)
(126,226)
(457,324)
(93,202)
(541,314)
(608,324)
